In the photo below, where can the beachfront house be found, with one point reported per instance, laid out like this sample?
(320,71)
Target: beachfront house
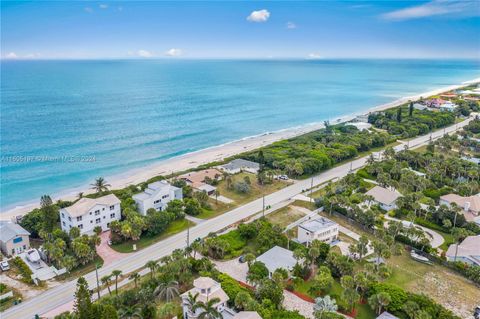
(361,126)
(470,205)
(468,251)
(87,213)
(207,289)
(321,228)
(384,197)
(14,239)
(277,258)
(199,179)
(157,195)
(447,106)
(240,165)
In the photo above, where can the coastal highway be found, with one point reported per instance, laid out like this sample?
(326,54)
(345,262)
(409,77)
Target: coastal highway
(64,293)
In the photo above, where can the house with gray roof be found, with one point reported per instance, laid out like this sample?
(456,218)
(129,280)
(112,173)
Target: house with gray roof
(277,258)
(384,197)
(240,165)
(468,251)
(14,239)
(321,228)
(387,315)
(157,195)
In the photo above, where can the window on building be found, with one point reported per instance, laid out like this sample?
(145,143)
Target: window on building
(63,223)
(17,240)
(103,208)
(97,212)
(98,220)
(90,213)
(80,226)
(69,218)
(112,207)
(79,218)
(112,215)
(63,215)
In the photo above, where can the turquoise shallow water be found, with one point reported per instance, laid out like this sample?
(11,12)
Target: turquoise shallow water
(63,123)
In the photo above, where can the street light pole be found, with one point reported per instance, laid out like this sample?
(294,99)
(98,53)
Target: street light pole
(96,274)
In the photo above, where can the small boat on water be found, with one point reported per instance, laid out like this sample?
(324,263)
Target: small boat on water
(419,258)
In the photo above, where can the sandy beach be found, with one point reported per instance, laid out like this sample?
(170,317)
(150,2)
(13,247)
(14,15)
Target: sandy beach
(216,153)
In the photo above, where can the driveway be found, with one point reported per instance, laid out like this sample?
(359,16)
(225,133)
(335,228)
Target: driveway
(106,252)
(233,268)
(435,238)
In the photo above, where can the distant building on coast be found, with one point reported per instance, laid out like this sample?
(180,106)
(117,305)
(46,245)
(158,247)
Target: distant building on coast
(88,213)
(157,195)
(199,179)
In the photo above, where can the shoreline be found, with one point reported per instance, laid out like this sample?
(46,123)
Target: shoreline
(215,153)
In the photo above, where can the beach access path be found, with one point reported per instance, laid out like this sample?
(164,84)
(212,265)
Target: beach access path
(64,294)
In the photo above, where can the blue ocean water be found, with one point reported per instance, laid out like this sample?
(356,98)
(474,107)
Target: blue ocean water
(63,123)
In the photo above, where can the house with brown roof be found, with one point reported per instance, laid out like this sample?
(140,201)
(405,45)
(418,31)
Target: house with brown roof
(384,197)
(87,213)
(468,251)
(198,179)
(470,205)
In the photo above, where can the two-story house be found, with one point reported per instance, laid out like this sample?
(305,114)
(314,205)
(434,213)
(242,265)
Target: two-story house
(206,289)
(14,239)
(157,195)
(322,229)
(88,213)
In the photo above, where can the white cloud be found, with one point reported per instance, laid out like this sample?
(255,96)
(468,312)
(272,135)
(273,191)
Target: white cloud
(314,55)
(174,52)
(88,9)
(291,25)
(436,8)
(144,54)
(11,55)
(103,6)
(259,16)
(32,56)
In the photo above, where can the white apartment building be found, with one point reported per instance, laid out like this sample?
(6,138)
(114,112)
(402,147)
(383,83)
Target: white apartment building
(322,229)
(88,213)
(157,195)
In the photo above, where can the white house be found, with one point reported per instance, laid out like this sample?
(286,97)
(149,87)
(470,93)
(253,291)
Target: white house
(276,258)
(157,195)
(207,289)
(447,106)
(468,251)
(384,197)
(239,165)
(322,229)
(14,239)
(88,213)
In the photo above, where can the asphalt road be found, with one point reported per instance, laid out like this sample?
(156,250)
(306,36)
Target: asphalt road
(64,293)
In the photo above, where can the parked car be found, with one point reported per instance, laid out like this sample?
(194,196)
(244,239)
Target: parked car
(476,314)
(4,266)
(283,177)
(241,259)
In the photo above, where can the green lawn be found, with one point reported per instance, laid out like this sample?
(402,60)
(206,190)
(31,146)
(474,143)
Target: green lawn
(216,208)
(174,228)
(284,216)
(8,302)
(256,190)
(82,269)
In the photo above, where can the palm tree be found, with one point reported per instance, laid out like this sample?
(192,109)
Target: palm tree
(209,309)
(217,193)
(324,305)
(135,277)
(196,246)
(45,201)
(100,185)
(130,312)
(379,301)
(80,195)
(167,291)
(191,301)
(106,280)
(152,265)
(116,274)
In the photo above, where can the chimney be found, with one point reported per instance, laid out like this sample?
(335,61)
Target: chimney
(466,206)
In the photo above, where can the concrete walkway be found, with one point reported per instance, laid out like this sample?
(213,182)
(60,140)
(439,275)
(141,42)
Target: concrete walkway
(223,199)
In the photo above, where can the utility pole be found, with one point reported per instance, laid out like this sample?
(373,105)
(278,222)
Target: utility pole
(98,286)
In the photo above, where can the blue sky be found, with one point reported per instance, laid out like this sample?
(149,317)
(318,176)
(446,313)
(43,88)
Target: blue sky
(246,29)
